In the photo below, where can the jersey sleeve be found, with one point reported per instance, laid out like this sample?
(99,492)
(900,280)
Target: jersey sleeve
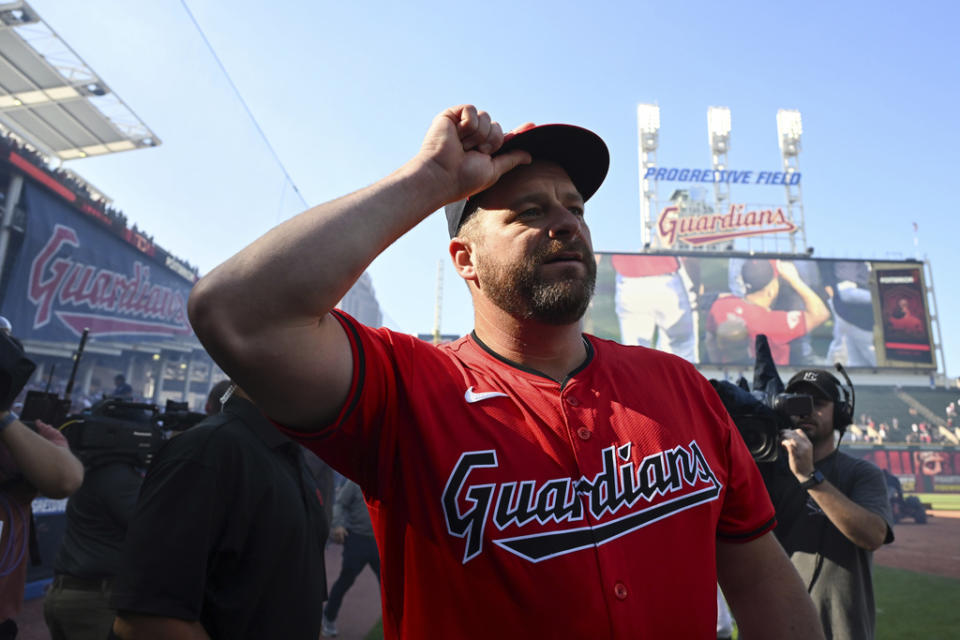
(170,540)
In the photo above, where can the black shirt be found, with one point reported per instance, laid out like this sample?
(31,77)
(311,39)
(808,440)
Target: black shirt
(229,531)
(97,518)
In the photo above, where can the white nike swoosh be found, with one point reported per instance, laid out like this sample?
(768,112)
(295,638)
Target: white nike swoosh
(471,397)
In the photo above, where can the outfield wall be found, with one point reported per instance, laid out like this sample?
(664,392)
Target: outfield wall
(921,469)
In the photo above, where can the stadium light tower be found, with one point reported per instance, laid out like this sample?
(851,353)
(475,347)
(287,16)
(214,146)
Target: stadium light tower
(789,133)
(718,133)
(648,129)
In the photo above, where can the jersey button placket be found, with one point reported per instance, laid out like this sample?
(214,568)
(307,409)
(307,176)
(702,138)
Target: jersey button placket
(584,434)
(620,591)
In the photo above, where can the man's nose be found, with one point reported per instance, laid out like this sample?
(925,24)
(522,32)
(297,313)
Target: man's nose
(565,223)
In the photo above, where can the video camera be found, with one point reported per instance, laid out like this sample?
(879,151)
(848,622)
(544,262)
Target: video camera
(116,430)
(15,369)
(113,429)
(761,413)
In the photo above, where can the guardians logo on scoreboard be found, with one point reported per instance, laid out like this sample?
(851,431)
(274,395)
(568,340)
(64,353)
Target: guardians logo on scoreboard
(737,222)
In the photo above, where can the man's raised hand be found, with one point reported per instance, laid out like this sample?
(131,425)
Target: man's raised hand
(458,149)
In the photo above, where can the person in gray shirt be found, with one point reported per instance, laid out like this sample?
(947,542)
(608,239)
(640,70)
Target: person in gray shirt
(839,514)
(351,528)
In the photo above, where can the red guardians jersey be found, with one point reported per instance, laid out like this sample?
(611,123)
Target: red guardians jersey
(508,505)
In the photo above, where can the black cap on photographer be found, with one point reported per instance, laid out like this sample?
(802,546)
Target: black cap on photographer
(822,381)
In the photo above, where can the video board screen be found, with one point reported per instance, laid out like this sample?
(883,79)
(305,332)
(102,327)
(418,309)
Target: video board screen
(709,309)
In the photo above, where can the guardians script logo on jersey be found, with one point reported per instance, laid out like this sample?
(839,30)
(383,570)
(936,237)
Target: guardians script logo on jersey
(621,498)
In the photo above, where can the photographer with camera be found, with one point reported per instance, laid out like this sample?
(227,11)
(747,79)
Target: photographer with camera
(33,460)
(839,511)
(832,508)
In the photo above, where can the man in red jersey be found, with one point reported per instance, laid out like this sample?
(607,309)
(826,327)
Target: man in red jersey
(527,480)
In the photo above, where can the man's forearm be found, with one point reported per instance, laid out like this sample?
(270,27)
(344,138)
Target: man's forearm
(303,267)
(816,311)
(265,311)
(859,525)
(52,469)
(263,314)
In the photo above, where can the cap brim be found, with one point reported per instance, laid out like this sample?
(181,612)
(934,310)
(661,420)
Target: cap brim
(581,153)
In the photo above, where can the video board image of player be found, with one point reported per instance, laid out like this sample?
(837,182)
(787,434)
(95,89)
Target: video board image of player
(847,284)
(654,303)
(733,321)
(817,312)
(802,351)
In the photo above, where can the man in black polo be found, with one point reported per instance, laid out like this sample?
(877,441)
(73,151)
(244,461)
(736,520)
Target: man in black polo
(228,537)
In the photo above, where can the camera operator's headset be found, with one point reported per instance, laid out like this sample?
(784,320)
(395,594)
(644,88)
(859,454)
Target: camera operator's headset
(843,405)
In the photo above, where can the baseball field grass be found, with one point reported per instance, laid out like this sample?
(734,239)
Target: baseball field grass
(941,501)
(915,605)
(376,633)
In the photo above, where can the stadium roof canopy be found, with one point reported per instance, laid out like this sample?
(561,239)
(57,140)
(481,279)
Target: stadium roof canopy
(52,100)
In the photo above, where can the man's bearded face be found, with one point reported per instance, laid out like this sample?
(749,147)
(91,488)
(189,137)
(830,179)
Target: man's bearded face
(542,286)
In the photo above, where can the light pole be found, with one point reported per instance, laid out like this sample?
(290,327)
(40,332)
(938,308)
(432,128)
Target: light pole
(718,134)
(648,128)
(789,134)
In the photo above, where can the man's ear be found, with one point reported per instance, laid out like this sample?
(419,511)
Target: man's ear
(461,252)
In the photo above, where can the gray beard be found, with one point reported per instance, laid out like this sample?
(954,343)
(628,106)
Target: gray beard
(525,295)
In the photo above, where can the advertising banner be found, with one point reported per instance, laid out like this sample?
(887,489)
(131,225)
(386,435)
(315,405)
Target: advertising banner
(72,273)
(902,315)
(710,308)
(919,470)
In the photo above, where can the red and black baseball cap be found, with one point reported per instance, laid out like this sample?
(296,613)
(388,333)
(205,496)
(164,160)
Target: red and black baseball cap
(581,153)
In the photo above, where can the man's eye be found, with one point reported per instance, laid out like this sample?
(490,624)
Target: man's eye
(577,211)
(528,213)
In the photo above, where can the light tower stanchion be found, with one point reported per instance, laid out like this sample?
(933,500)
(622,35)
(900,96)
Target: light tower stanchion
(718,134)
(789,134)
(648,129)
(934,318)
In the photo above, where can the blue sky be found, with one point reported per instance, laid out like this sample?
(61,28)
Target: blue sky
(345,92)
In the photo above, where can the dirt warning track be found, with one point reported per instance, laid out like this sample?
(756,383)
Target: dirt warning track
(928,548)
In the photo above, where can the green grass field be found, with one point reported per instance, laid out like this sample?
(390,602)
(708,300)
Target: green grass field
(940,501)
(915,605)
(376,633)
